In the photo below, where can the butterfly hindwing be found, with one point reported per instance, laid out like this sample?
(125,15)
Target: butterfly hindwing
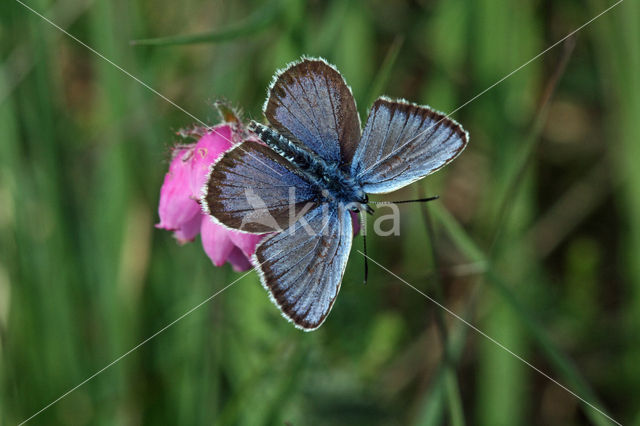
(402,143)
(302,267)
(253,189)
(309,102)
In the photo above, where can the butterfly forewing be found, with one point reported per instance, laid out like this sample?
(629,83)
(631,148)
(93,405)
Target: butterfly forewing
(402,143)
(310,102)
(253,189)
(302,267)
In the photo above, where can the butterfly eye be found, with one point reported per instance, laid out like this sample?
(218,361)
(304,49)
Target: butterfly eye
(361,197)
(353,206)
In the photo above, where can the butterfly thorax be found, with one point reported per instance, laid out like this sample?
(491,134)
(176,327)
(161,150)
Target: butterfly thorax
(331,181)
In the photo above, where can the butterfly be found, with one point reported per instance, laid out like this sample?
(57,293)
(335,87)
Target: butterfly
(315,160)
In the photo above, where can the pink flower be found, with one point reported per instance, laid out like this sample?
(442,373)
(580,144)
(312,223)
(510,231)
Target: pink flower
(355,221)
(180,211)
(177,207)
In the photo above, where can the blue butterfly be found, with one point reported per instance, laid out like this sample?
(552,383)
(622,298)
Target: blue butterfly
(316,161)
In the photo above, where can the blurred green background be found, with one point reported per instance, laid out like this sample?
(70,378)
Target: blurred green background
(535,240)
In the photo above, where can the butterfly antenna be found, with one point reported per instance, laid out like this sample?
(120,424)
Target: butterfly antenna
(418,200)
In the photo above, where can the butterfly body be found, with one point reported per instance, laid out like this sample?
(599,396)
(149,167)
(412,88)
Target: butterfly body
(330,180)
(317,159)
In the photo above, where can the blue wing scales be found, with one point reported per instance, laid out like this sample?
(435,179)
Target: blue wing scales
(253,189)
(310,103)
(302,267)
(402,143)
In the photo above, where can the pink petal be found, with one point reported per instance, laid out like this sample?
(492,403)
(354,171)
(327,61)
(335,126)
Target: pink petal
(176,206)
(238,260)
(216,242)
(206,151)
(189,230)
(355,220)
(245,241)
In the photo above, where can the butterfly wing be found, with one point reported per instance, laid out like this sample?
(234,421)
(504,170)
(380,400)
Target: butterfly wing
(402,143)
(309,102)
(253,189)
(302,267)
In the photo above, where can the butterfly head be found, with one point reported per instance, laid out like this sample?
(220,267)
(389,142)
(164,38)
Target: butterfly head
(360,206)
(360,203)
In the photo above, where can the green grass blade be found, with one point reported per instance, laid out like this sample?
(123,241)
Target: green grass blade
(382,78)
(560,362)
(452,391)
(258,21)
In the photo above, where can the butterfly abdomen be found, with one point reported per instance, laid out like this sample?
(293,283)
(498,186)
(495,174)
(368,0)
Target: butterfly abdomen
(328,178)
